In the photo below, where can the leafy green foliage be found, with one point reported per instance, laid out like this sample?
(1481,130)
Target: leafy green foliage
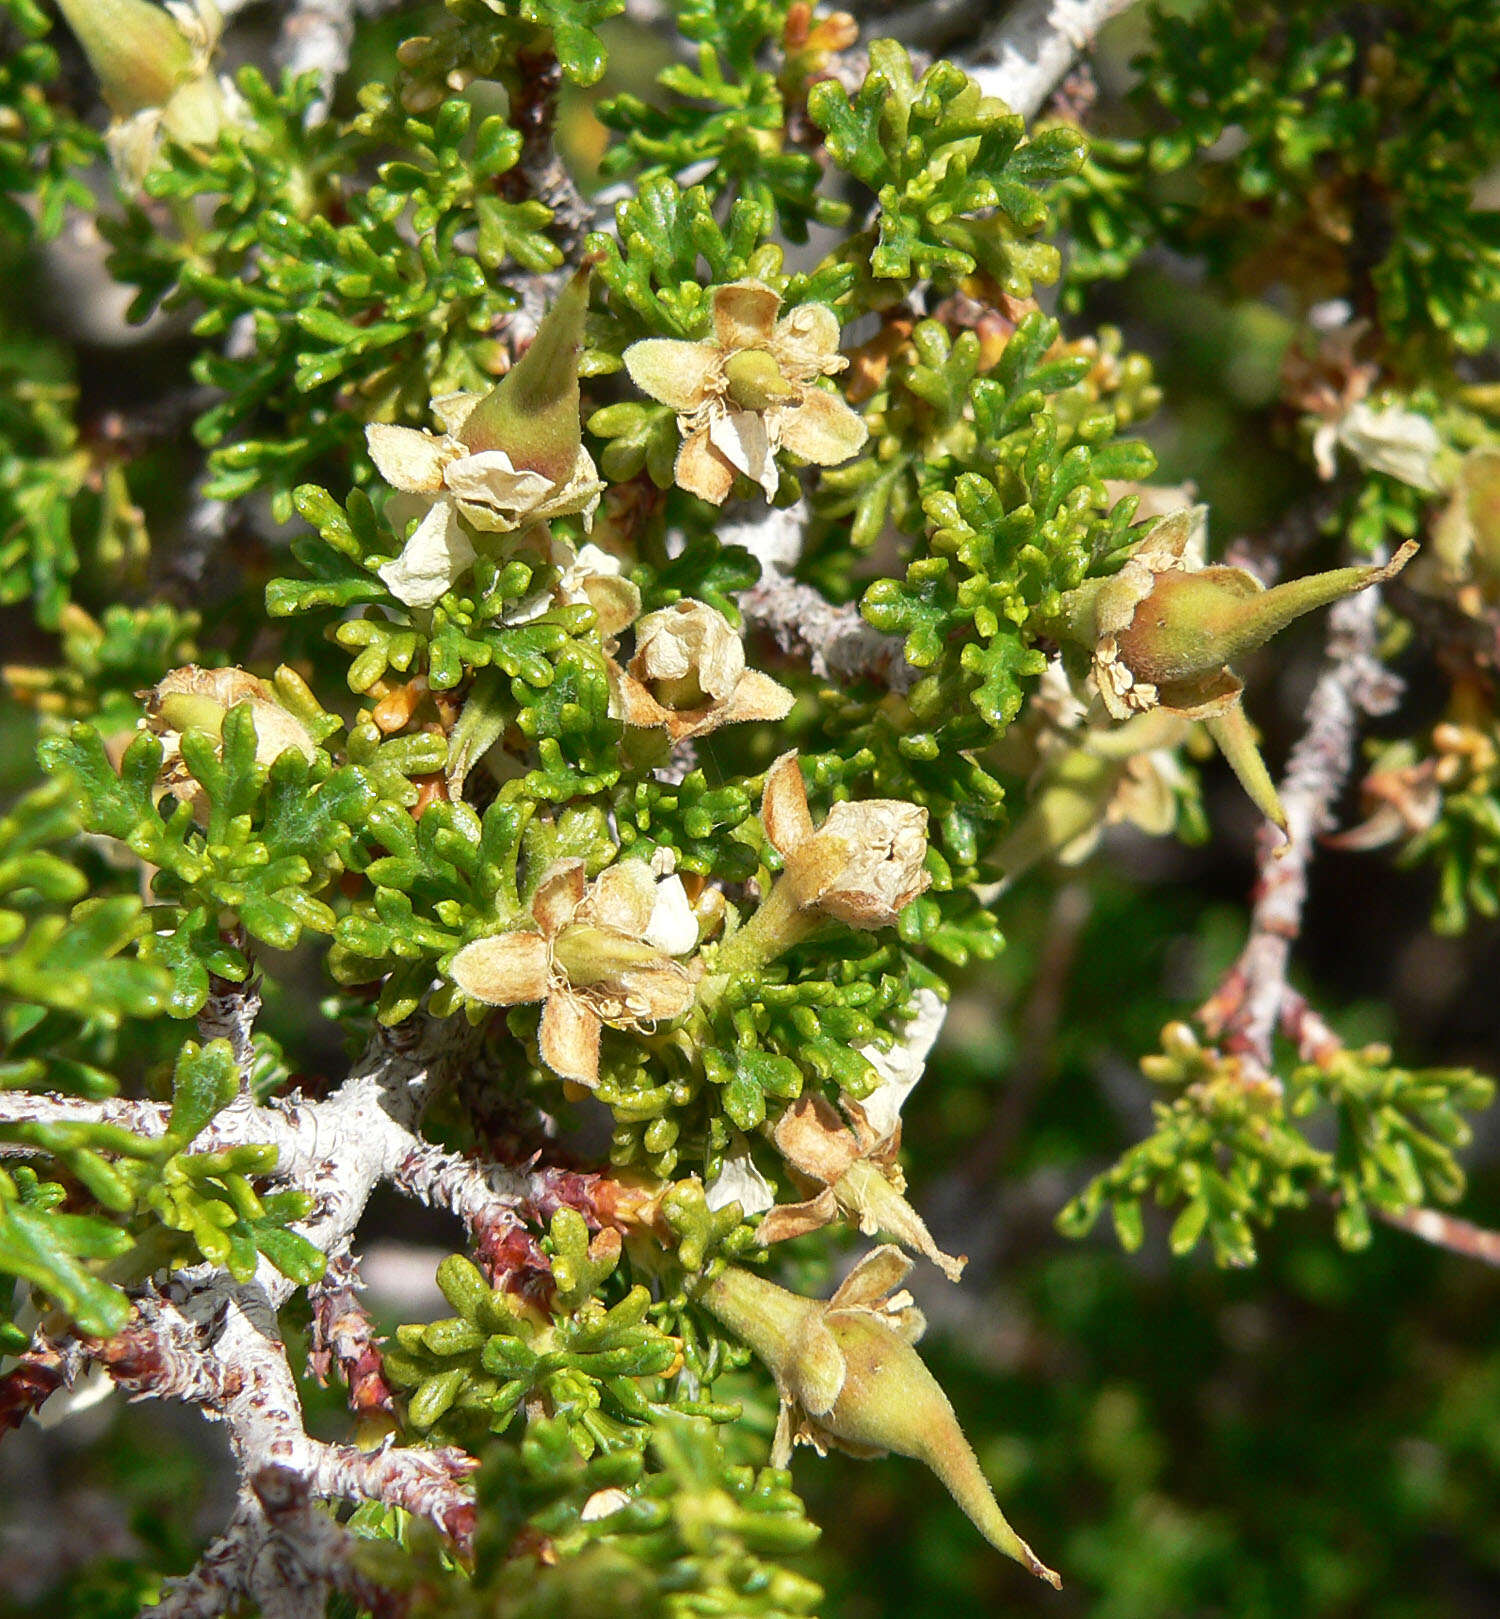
(1462,837)
(163,1204)
(557,682)
(1229,1150)
(595,1366)
(434,883)
(729,110)
(1343,177)
(333,265)
(54,1251)
(998,546)
(43,145)
(71,964)
(936,155)
(61,507)
(650,264)
(380,308)
(107,662)
(504,39)
(714,1534)
(272,839)
(694,1535)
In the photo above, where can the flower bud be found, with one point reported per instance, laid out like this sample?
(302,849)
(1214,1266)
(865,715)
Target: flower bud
(154,71)
(138,51)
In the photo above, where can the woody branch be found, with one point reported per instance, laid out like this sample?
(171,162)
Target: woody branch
(211,1342)
(1026,55)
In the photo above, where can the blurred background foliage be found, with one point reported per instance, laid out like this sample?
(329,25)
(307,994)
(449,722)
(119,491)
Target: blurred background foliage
(1315,1438)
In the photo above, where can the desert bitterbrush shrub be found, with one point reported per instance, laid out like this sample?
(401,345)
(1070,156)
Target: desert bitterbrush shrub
(603,593)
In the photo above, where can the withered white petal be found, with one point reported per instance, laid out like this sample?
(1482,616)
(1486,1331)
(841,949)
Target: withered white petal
(739,1181)
(433,560)
(902,1066)
(451,411)
(673,929)
(740,437)
(409,459)
(1398,442)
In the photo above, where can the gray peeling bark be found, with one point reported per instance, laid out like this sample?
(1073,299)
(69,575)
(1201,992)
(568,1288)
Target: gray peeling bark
(208,1341)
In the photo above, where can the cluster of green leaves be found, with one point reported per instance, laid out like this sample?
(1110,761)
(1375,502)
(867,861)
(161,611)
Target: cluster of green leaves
(105,663)
(670,247)
(365,319)
(63,506)
(72,958)
(161,1203)
(698,1535)
(1002,475)
(1229,1149)
(43,145)
(506,40)
(447,877)
(556,689)
(597,1367)
(272,838)
(1463,840)
(1343,178)
(732,111)
(958,187)
(691,1534)
(804,1021)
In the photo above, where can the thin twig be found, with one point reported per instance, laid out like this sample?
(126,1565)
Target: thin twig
(315,38)
(1447,1231)
(1244,1011)
(1029,52)
(230,1012)
(341,1334)
(836,641)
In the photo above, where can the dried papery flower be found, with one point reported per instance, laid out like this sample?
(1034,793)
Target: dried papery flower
(597,577)
(154,70)
(505,460)
(750,390)
(1390,439)
(1464,556)
(1164,629)
(848,1376)
(600,953)
(688,675)
(863,865)
(856,1170)
(1400,797)
(194,699)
